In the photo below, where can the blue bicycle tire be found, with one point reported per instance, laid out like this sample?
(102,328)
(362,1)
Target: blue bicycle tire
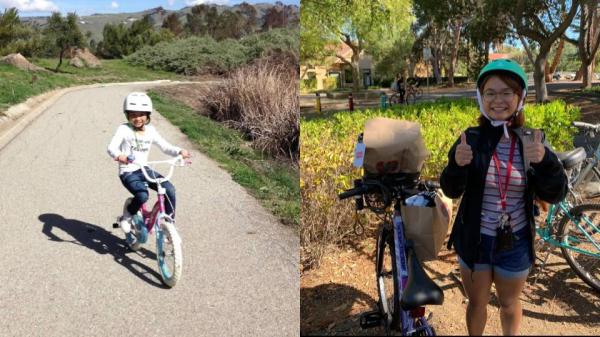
(578,263)
(170,274)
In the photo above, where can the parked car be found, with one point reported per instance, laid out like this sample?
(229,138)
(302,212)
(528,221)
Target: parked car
(569,75)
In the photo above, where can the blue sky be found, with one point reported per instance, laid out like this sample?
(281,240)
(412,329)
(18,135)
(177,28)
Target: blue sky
(88,7)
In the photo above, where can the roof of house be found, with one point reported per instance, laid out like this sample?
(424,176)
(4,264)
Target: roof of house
(495,56)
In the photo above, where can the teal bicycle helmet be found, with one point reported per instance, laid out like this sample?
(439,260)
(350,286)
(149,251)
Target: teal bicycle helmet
(514,70)
(507,66)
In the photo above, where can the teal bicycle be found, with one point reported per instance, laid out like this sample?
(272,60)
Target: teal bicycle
(574,227)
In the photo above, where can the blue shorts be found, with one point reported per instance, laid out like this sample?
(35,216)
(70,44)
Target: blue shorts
(513,263)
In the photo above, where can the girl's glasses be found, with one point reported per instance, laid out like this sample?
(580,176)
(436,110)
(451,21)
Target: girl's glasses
(506,96)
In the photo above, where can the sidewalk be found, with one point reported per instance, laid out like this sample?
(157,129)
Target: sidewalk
(308,101)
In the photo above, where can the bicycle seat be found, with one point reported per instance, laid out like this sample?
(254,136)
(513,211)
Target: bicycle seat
(420,290)
(571,158)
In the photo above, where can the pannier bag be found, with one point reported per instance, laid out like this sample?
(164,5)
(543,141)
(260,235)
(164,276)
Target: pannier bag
(393,146)
(427,225)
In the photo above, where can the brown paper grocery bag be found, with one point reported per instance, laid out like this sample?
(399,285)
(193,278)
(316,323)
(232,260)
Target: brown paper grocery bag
(393,146)
(428,226)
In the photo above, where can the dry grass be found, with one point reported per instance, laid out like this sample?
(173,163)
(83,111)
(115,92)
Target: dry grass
(261,100)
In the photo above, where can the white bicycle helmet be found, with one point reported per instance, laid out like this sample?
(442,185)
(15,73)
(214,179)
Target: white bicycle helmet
(137,101)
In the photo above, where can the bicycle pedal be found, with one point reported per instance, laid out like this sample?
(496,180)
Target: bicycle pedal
(370,319)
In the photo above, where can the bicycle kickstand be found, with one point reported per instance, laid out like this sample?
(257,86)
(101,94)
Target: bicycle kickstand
(547,249)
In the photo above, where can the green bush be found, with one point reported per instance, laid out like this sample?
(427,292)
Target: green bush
(326,155)
(308,84)
(204,55)
(330,83)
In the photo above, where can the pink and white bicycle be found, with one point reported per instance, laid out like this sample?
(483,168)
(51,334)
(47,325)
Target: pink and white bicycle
(157,221)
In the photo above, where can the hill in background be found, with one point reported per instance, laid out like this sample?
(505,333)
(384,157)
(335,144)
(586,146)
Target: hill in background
(95,23)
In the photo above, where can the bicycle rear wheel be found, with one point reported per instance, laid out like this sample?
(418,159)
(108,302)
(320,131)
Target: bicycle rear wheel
(582,253)
(411,98)
(387,280)
(394,99)
(419,92)
(168,252)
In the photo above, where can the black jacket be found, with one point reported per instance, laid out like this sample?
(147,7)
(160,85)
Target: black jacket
(546,180)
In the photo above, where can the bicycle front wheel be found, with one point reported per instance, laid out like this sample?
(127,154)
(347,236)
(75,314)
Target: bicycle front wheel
(168,252)
(387,280)
(582,240)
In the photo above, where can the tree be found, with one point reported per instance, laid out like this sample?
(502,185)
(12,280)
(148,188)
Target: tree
(589,39)
(543,22)
(362,25)
(249,13)
(230,25)
(14,36)
(115,41)
(274,17)
(202,20)
(173,24)
(65,33)
(551,68)
(450,18)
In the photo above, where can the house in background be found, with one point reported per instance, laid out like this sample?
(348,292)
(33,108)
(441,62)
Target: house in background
(334,68)
(495,56)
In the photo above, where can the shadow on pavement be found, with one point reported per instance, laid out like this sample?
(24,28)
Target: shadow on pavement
(102,242)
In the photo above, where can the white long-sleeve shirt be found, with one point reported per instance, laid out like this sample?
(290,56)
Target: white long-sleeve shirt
(126,142)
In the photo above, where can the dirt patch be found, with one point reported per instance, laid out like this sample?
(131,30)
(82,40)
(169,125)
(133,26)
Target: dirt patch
(20,62)
(188,93)
(334,295)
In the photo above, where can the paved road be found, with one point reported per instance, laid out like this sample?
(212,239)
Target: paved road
(65,271)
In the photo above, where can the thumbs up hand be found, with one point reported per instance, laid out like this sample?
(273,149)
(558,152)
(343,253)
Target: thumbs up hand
(463,154)
(534,151)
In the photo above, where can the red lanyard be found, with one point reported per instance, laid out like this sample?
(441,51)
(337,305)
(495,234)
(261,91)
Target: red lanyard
(508,170)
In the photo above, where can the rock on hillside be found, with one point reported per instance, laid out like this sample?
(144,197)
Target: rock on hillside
(83,57)
(20,62)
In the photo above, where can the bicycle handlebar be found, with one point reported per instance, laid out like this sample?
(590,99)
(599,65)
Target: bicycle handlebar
(177,161)
(353,192)
(369,188)
(586,126)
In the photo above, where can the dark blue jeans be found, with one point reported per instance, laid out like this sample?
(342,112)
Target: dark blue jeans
(136,183)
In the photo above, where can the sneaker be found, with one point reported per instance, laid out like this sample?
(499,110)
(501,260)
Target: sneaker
(131,239)
(126,221)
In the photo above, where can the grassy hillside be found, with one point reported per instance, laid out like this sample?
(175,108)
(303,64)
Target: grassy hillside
(18,85)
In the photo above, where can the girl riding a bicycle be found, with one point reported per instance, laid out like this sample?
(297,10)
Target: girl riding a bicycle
(498,168)
(133,140)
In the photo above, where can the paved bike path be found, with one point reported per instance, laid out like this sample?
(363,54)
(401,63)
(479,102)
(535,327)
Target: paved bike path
(65,271)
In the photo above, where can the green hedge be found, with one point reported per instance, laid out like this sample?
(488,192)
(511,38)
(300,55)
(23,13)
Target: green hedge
(441,124)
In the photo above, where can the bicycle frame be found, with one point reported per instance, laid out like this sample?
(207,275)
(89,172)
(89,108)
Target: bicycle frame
(402,267)
(546,235)
(152,218)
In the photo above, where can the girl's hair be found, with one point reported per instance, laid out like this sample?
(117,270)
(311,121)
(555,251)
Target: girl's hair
(512,83)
